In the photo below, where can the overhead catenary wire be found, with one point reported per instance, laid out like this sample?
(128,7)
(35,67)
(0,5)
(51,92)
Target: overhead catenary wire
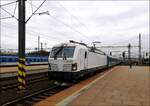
(5,18)
(8,3)
(131,39)
(57,20)
(35,11)
(15,9)
(43,35)
(31,6)
(15,38)
(68,26)
(8,25)
(31,31)
(12,15)
(74,16)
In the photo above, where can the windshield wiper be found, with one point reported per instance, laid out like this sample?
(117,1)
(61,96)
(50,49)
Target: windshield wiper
(55,55)
(64,56)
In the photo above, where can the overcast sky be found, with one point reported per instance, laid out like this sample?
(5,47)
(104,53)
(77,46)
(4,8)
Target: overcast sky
(110,22)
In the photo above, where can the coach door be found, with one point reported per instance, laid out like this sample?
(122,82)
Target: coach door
(85,60)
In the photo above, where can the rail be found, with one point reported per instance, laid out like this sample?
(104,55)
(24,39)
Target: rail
(25,99)
(12,82)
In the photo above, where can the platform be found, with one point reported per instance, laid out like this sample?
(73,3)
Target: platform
(119,86)
(28,68)
(6,72)
(9,64)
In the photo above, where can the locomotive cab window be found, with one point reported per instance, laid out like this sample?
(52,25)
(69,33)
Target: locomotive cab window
(85,55)
(61,52)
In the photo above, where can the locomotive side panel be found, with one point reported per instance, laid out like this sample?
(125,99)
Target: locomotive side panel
(96,60)
(79,58)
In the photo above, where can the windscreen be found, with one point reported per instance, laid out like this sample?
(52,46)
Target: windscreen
(62,52)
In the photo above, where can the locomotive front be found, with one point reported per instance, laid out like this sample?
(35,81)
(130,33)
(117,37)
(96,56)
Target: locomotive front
(62,62)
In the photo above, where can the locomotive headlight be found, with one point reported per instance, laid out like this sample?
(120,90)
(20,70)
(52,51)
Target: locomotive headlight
(49,66)
(74,66)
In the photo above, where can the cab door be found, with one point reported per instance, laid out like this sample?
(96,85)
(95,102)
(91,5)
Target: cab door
(85,60)
(81,59)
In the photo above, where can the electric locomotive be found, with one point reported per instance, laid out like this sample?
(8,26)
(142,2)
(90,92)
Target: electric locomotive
(73,60)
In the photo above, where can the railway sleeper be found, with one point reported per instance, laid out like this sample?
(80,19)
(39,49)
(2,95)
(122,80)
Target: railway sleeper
(42,96)
(36,99)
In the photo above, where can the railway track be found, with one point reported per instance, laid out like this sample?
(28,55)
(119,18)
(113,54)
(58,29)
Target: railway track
(38,87)
(30,99)
(9,86)
(12,82)
(37,90)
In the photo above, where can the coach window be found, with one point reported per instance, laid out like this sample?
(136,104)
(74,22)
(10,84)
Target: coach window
(85,55)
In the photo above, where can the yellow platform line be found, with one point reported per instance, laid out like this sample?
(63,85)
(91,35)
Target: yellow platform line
(68,99)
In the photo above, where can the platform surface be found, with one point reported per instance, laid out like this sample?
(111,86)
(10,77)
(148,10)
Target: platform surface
(119,87)
(28,68)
